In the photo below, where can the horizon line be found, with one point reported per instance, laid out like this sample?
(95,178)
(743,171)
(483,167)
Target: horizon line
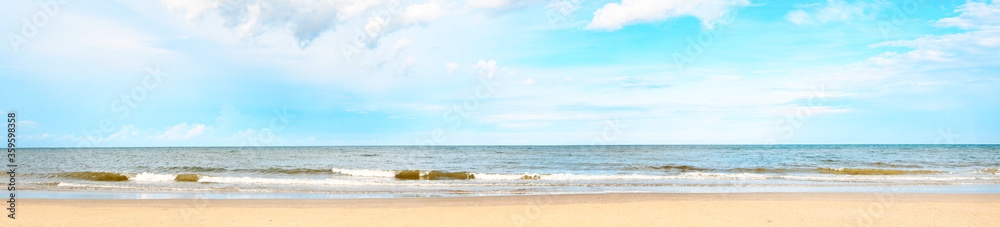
(513,145)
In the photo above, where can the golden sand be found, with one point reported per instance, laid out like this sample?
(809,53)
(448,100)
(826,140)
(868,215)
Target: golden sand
(708,209)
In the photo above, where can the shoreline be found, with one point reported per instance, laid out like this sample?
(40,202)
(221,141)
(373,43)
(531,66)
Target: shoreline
(39,193)
(500,200)
(713,209)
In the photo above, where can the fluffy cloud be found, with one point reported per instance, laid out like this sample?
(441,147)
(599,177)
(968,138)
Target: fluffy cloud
(423,12)
(486,68)
(644,82)
(973,48)
(451,67)
(181,131)
(975,15)
(614,16)
(308,19)
(400,45)
(833,11)
(500,5)
(380,25)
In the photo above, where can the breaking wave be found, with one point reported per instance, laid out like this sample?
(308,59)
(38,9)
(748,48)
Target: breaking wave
(837,171)
(93,176)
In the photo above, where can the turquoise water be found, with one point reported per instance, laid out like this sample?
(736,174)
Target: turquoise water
(374,171)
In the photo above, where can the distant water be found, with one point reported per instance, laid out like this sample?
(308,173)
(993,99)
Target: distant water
(500,170)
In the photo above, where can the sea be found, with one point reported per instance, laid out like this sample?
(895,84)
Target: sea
(447,171)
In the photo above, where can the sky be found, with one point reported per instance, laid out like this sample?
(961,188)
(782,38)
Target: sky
(499,72)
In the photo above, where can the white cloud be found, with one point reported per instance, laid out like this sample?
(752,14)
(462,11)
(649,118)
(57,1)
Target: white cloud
(451,67)
(500,5)
(525,125)
(973,48)
(486,68)
(228,117)
(380,25)
(30,124)
(308,19)
(975,15)
(833,11)
(422,13)
(181,131)
(722,79)
(533,117)
(96,41)
(615,15)
(126,130)
(407,66)
(399,46)
(642,82)
(528,82)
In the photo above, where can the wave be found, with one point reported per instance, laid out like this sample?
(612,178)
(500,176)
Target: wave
(589,177)
(767,170)
(433,175)
(364,172)
(837,171)
(494,176)
(289,171)
(883,164)
(723,176)
(516,180)
(847,171)
(257,180)
(407,174)
(142,177)
(130,188)
(399,177)
(187,177)
(198,169)
(93,176)
(152,177)
(74,185)
(678,168)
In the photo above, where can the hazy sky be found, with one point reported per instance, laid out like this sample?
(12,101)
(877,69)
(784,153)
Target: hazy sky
(302,72)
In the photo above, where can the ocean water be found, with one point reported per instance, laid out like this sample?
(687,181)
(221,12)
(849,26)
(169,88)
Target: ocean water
(403,171)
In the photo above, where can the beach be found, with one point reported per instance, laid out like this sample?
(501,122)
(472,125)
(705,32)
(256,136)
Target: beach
(415,171)
(623,209)
(632,185)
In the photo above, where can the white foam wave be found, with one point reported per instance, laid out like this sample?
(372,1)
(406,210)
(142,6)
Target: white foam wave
(720,176)
(125,187)
(990,171)
(885,178)
(73,185)
(572,177)
(152,177)
(365,172)
(492,176)
(255,180)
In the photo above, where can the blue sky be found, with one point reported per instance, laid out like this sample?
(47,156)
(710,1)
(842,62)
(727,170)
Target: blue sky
(277,73)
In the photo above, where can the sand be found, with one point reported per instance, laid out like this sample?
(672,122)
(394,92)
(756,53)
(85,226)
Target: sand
(742,209)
